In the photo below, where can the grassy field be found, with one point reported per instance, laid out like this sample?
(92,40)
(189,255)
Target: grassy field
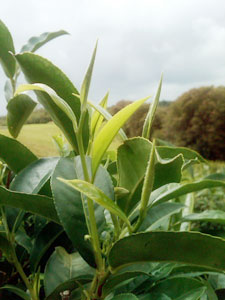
(38,138)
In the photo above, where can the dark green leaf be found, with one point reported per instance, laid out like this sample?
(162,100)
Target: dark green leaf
(69,203)
(23,240)
(64,271)
(14,154)
(181,247)
(36,42)
(36,204)
(39,70)
(132,161)
(180,190)
(42,242)
(19,109)
(156,214)
(32,178)
(213,216)
(16,291)
(177,289)
(6,59)
(125,274)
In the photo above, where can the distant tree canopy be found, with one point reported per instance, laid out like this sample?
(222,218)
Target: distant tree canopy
(197,120)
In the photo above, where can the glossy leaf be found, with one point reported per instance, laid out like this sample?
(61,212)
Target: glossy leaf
(35,42)
(68,203)
(109,131)
(65,271)
(213,216)
(42,242)
(36,204)
(39,70)
(32,178)
(123,275)
(151,113)
(132,161)
(62,105)
(13,289)
(14,154)
(97,196)
(156,214)
(180,247)
(6,59)
(180,190)
(177,289)
(19,109)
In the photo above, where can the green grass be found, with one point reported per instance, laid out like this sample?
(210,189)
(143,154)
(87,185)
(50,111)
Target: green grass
(38,138)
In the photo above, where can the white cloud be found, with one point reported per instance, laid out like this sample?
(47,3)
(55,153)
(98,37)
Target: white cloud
(137,41)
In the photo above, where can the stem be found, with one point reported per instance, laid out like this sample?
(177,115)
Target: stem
(147,188)
(92,221)
(20,270)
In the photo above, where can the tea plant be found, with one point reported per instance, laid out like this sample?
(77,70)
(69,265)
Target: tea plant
(125,213)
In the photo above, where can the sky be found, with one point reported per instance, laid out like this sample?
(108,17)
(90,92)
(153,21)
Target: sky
(138,40)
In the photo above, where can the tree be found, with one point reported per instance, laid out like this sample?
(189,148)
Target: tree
(196,120)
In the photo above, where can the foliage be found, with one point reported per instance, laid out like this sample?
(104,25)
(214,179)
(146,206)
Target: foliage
(98,224)
(196,120)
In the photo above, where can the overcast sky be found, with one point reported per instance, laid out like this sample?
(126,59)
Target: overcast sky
(138,39)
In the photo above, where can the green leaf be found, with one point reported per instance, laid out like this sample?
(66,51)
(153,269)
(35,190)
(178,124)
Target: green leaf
(68,203)
(156,214)
(36,204)
(23,240)
(97,196)
(213,216)
(39,70)
(35,42)
(65,271)
(42,242)
(109,131)
(180,190)
(132,158)
(170,152)
(97,118)
(19,109)
(14,154)
(151,113)
(107,116)
(177,289)
(16,291)
(6,59)
(62,105)
(126,296)
(125,274)
(87,81)
(180,247)
(32,178)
